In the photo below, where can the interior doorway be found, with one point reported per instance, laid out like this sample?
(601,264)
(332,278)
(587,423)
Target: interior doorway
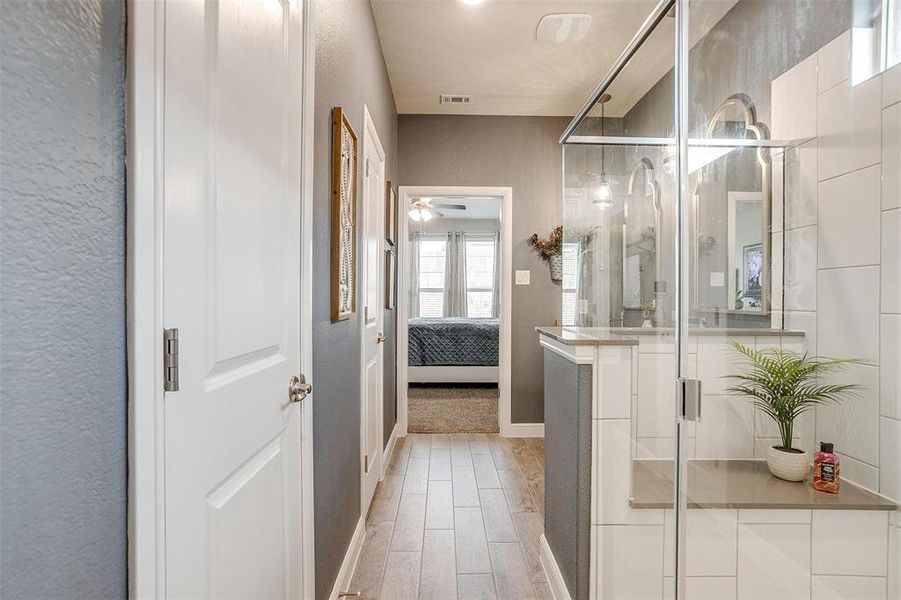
(454,309)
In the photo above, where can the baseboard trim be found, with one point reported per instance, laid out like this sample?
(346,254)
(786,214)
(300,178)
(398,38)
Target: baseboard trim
(389,452)
(552,571)
(533,430)
(349,564)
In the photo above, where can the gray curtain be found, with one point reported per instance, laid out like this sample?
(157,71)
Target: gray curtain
(455,276)
(415,238)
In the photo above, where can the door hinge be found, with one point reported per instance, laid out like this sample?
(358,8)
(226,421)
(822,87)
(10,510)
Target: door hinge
(690,399)
(170,360)
(366,463)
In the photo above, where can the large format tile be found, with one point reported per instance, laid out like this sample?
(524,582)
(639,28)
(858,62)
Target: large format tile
(891,261)
(891,86)
(401,576)
(518,497)
(476,587)
(890,458)
(728,428)
(630,561)
(417,478)
(614,452)
(466,493)
(530,527)
(853,425)
(890,354)
(849,210)
(891,157)
(510,572)
(387,498)
(711,542)
(656,413)
(440,464)
(849,122)
(486,473)
(773,561)
(835,587)
(800,275)
(711,588)
(370,567)
(834,62)
(848,313)
(716,359)
(800,199)
(410,523)
(439,512)
(438,578)
(794,99)
(805,321)
(850,542)
(858,472)
(498,520)
(615,373)
(471,544)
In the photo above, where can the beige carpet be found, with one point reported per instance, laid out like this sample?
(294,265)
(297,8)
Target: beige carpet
(452,410)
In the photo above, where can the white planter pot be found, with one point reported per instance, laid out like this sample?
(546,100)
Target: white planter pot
(556,265)
(790,466)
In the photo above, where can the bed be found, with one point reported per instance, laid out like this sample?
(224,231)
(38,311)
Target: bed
(453,350)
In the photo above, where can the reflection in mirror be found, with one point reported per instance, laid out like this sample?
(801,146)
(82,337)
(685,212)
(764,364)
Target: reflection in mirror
(732,206)
(642,216)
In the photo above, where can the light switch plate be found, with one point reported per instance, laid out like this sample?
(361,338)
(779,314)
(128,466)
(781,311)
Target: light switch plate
(523,277)
(717,279)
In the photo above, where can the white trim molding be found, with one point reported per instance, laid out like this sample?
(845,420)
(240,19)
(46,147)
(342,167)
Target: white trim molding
(405,195)
(349,564)
(144,292)
(388,452)
(525,430)
(552,570)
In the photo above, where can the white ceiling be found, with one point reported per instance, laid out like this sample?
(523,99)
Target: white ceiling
(489,50)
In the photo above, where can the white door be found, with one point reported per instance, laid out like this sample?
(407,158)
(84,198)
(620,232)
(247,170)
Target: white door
(231,257)
(373,261)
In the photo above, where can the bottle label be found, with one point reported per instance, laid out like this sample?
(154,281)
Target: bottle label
(827,472)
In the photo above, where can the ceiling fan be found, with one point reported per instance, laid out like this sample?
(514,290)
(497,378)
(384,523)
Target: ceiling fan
(421,209)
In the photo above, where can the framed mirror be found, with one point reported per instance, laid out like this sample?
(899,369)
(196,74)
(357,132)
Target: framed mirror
(642,220)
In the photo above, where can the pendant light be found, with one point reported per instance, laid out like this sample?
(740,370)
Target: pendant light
(602,194)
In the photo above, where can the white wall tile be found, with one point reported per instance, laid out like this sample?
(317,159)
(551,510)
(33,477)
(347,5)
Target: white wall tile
(853,425)
(849,123)
(727,429)
(716,358)
(891,261)
(894,562)
(849,542)
(834,62)
(891,156)
(773,516)
(891,86)
(773,562)
(801,185)
(614,395)
(710,542)
(890,458)
(793,94)
(848,313)
(630,561)
(800,281)
(777,262)
(806,322)
(890,360)
(614,461)
(711,588)
(656,410)
(848,215)
(655,447)
(860,473)
(837,587)
(778,162)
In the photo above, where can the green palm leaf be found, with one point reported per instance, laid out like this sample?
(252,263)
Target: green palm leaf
(784,384)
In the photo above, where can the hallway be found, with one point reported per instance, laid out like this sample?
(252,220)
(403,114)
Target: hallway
(457,516)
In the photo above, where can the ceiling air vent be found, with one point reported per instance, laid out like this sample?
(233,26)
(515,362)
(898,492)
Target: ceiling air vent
(561,28)
(456,99)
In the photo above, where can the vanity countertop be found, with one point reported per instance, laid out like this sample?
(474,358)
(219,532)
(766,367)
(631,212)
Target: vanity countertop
(583,336)
(741,484)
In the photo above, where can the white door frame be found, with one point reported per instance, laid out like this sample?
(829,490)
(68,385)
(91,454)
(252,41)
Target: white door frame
(144,160)
(370,134)
(505,194)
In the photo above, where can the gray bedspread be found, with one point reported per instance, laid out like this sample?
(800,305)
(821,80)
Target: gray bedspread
(453,342)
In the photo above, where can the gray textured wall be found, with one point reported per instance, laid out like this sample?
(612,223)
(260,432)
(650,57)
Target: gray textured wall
(62,306)
(350,72)
(522,153)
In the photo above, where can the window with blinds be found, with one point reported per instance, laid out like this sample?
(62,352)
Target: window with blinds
(480,265)
(432,262)
(570,283)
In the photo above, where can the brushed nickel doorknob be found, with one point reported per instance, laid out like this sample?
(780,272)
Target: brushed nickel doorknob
(298,388)
(380,338)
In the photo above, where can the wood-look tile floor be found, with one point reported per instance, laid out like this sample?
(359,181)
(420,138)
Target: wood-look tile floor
(457,517)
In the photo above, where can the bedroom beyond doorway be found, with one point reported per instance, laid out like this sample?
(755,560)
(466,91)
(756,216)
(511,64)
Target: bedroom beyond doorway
(452,321)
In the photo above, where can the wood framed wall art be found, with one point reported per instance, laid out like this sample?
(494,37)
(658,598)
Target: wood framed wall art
(344,217)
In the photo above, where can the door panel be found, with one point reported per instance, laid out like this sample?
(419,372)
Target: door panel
(232,288)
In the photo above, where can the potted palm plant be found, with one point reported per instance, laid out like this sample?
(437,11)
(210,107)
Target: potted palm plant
(783,384)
